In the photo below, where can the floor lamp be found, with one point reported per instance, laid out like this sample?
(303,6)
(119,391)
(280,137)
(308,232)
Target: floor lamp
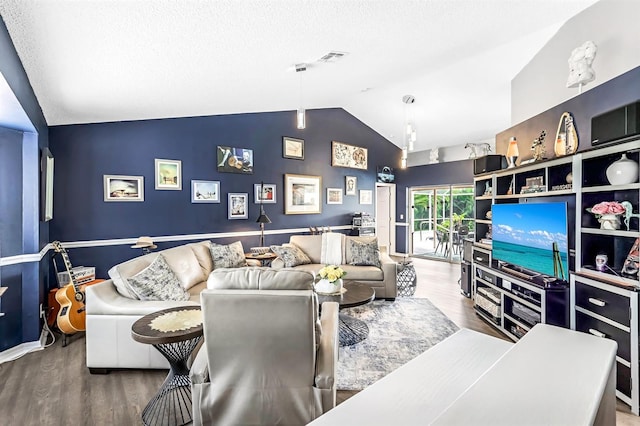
(263,218)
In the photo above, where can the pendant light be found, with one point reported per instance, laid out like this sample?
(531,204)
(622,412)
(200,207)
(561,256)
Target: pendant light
(410,135)
(301,120)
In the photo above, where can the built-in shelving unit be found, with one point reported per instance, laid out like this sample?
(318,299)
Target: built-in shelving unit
(601,302)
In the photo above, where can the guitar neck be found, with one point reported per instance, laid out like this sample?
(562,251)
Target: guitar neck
(67,265)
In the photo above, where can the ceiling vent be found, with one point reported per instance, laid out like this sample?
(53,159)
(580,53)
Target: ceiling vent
(332,56)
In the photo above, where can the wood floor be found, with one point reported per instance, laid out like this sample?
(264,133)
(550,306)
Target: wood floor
(53,386)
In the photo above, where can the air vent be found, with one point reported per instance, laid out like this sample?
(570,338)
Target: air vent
(332,56)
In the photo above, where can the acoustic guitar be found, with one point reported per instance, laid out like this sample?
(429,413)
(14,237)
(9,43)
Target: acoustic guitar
(72,314)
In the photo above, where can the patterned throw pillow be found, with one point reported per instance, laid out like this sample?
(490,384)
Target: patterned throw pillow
(229,256)
(291,255)
(363,254)
(157,282)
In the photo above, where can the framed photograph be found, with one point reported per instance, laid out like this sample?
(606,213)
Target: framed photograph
(366,196)
(168,174)
(238,205)
(205,191)
(234,160)
(345,155)
(334,195)
(302,194)
(293,148)
(123,188)
(266,196)
(350,184)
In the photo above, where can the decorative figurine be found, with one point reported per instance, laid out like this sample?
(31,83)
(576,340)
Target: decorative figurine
(483,147)
(580,71)
(539,151)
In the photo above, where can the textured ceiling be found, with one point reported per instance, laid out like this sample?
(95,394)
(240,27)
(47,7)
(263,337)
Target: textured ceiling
(97,61)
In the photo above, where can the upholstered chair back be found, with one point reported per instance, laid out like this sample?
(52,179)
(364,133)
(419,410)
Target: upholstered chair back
(261,341)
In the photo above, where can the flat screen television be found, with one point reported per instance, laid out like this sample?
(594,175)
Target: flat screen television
(532,236)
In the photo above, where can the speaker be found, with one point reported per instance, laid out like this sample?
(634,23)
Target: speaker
(465,278)
(467,250)
(618,124)
(488,163)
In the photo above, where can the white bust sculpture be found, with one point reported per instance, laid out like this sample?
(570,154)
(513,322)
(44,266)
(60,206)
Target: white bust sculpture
(433,156)
(580,71)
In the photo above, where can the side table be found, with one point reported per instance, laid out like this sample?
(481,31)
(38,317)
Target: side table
(265,258)
(175,333)
(406,278)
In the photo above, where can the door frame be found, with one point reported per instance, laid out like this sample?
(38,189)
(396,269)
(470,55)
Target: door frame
(392,215)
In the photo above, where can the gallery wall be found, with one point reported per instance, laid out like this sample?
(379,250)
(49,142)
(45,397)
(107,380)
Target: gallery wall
(101,231)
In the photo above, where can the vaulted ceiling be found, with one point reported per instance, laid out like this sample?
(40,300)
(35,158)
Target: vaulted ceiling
(99,61)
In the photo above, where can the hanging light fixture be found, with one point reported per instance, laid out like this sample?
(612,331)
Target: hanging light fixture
(301,121)
(410,135)
(403,159)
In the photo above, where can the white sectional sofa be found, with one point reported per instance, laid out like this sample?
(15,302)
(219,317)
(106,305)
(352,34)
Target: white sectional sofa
(111,309)
(382,279)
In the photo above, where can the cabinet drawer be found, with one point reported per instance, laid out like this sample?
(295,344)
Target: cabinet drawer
(623,379)
(481,257)
(588,324)
(611,305)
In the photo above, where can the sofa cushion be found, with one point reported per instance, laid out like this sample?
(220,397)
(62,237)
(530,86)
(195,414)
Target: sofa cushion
(291,255)
(227,256)
(202,252)
(157,282)
(186,265)
(364,273)
(362,253)
(311,245)
(259,278)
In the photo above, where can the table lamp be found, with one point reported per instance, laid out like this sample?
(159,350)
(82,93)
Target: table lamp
(512,152)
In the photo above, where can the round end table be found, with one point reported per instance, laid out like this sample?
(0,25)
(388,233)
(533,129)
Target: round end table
(175,333)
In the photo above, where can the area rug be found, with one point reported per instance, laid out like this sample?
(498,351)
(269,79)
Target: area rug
(398,332)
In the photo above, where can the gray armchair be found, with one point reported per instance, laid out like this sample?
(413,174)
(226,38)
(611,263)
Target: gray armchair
(268,358)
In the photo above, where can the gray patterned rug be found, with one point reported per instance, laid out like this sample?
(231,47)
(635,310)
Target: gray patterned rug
(398,332)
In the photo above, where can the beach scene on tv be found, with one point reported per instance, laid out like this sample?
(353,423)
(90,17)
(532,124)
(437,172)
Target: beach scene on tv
(532,236)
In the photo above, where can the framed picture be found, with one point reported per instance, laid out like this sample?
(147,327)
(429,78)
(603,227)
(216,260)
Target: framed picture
(350,184)
(234,160)
(293,148)
(205,191)
(238,205)
(264,193)
(168,174)
(123,188)
(345,155)
(46,185)
(366,196)
(302,194)
(334,195)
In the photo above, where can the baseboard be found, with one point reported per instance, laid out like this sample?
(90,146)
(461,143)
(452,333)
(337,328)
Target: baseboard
(22,349)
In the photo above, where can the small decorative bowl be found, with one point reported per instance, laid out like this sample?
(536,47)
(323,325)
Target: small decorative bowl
(260,250)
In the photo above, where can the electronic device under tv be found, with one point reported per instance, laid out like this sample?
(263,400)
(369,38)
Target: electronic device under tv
(530,240)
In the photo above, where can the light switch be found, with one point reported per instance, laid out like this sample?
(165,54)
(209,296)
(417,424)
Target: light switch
(401,216)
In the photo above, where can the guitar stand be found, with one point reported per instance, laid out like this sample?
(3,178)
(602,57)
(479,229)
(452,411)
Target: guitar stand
(66,337)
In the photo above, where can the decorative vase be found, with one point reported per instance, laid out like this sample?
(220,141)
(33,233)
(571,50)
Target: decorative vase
(622,171)
(609,221)
(324,286)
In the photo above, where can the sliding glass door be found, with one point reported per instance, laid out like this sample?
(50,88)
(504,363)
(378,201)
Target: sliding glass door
(441,217)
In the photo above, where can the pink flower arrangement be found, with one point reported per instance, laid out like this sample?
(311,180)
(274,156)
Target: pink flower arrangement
(607,207)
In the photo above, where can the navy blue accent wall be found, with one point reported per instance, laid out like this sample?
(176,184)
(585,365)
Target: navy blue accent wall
(85,153)
(450,173)
(612,94)
(25,234)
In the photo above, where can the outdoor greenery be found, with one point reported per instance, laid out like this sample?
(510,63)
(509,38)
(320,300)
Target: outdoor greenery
(462,207)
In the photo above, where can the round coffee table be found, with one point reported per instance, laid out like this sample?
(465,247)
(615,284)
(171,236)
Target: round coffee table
(175,333)
(351,330)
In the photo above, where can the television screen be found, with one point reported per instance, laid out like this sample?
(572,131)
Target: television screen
(532,236)
(385,174)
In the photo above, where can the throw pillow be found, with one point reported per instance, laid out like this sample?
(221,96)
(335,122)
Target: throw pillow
(157,282)
(291,255)
(363,253)
(227,256)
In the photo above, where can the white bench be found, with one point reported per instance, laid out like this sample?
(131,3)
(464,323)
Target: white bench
(551,376)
